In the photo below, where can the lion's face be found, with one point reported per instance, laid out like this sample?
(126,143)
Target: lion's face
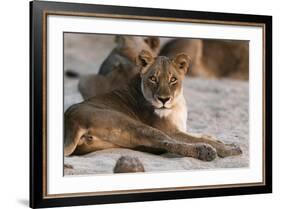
(162,78)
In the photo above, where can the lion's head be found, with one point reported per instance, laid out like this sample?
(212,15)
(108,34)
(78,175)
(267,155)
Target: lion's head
(131,46)
(162,77)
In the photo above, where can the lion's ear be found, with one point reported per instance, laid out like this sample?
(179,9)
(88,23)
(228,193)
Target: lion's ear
(182,62)
(119,39)
(153,43)
(143,60)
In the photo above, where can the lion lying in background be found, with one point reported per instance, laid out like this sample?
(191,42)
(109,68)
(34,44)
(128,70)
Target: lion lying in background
(213,58)
(119,67)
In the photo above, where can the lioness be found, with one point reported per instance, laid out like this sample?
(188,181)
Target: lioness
(119,67)
(212,58)
(150,112)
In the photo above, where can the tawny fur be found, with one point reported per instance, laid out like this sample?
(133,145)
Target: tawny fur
(119,67)
(131,117)
(213,58)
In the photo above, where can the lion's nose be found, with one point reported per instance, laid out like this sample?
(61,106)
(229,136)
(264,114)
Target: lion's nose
(163,99)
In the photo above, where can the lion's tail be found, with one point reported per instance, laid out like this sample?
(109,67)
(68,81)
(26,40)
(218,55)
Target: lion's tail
(71,141)
(72,132)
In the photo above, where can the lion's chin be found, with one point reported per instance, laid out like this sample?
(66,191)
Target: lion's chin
(162,112)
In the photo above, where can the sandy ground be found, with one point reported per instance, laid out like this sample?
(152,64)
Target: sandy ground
(216,107)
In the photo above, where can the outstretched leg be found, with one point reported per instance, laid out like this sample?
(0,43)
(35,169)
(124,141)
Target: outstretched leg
(116,128)
(223,150)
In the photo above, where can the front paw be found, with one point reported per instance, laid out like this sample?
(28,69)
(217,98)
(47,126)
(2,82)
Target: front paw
(206,152)
(223,150)
(229,150)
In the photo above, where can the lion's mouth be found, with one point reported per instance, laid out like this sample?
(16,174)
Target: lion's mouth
(162,108)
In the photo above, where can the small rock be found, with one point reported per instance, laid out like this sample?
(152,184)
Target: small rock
(71,74)
(127,164)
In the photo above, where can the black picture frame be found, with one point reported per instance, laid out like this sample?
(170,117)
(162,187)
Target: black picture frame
(38,12)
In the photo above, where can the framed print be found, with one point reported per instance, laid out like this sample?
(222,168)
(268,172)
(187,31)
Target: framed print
(139,104)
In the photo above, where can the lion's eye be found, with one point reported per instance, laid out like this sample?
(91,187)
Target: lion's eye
(153,78)
(173,79)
